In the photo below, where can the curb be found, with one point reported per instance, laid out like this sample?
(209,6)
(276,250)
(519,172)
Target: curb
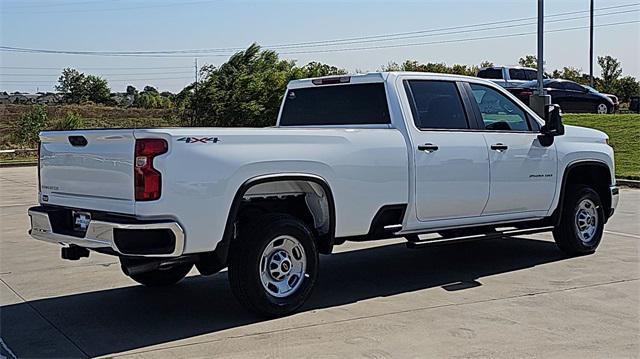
(19,164)
(628,183)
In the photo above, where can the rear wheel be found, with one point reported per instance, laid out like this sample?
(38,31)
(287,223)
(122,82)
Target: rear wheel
(163,276)
(582,222)
(273,265)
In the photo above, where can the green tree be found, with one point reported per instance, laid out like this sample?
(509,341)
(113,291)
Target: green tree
(71,121)
(77,87)
(316,69)
(610,71)
(529,61)
(72,85)
(151,98)
(627,87)
(29,126)
(571,73)
(247,90)
(97,89)
(132,91)
(486,63)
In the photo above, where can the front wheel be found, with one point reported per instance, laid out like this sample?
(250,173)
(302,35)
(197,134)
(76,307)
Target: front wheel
(273,265)
(602,109)
(582,222)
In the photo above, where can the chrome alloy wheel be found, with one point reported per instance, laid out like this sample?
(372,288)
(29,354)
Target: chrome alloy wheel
(586,220)
(602,109)
(282,266)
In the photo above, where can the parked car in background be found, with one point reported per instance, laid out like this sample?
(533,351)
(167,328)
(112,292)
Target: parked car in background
(508,76)
(613,98)
(571,96)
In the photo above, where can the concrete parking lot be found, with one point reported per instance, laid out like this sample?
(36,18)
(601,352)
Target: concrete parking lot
(507,298)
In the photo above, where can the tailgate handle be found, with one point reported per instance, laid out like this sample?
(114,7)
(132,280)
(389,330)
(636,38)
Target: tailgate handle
(77,141)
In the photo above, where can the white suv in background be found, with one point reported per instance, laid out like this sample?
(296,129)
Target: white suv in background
(508,76)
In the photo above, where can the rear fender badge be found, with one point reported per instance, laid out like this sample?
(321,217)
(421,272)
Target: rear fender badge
(199,139)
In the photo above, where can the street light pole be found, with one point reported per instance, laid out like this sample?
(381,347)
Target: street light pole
(540,47)
(540,99)
(591,45)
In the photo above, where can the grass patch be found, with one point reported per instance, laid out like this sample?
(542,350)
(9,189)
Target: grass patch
(624,137)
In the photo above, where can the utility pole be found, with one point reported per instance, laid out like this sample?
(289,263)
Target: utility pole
(540,47)
(591,44)
(540,99)
(195,96)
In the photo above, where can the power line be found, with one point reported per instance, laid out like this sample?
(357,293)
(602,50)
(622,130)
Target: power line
(106,74)
(455,40)
(434,42)
(95,68)
(121,80)
(176,4)
(75,3)
(335,42)
(390,46)
(447,28)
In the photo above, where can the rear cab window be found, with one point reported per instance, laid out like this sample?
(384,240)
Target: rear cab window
(354,104)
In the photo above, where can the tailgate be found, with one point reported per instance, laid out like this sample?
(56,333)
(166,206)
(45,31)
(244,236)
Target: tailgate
(90,169)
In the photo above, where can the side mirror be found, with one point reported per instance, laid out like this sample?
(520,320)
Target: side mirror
(552,125)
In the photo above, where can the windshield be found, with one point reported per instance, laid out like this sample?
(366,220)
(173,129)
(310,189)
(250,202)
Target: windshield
(591,89)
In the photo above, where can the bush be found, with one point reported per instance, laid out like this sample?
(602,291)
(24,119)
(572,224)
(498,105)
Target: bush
(29,125)
(71,121)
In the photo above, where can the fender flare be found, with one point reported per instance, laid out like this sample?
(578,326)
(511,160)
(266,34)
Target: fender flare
(557,213)
(213,262)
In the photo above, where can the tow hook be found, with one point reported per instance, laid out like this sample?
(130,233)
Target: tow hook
(73,253)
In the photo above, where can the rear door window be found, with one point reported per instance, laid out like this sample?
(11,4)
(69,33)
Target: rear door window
(357,104)
(436,105)
(494,74)
(531,75)
(517,74)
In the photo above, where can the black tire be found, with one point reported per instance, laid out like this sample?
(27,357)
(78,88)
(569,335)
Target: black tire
(163,277)
(567,234)
(245,264)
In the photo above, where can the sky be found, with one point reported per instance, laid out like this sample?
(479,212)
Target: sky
(162,25)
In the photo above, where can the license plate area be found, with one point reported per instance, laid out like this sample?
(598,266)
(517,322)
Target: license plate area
(80,220)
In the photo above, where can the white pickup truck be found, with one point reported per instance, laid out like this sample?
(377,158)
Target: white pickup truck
(360,157)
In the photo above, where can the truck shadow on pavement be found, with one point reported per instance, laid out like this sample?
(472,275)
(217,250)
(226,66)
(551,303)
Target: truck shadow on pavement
(121,319)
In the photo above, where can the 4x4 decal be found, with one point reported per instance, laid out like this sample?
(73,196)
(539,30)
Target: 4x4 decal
(199,139)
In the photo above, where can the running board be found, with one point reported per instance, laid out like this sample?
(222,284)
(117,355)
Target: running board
(493,235)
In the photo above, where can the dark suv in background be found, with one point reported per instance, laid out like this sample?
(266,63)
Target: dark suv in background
(571,96)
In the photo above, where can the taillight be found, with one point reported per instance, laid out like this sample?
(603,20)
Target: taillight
(147,179)
(39,182)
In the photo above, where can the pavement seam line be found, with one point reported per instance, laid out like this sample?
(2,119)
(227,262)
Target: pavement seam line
(7,349)
(378,316)
(16,205)
(28,303)
(623,234)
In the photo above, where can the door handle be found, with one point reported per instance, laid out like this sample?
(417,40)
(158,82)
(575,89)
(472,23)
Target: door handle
(499,147)
(428,147)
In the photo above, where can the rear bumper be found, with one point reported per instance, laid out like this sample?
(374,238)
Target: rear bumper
(131,239)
